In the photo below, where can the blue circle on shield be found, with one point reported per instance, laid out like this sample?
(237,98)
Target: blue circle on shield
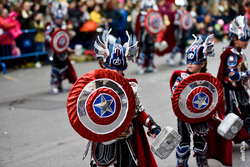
(104,105)
(200,100)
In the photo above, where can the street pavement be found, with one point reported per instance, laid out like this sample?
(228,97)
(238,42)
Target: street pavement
(34,125)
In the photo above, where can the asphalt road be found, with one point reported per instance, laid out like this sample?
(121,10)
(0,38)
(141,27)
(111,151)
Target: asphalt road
(34,126)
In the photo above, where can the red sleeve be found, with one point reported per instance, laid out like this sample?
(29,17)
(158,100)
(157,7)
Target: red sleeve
(7,25)
(142,118)
(132,80)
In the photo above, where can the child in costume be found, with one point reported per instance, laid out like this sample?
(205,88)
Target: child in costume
(196,63)
(181,34)
(234,74)
(61,66)
(146,41)
(131,148)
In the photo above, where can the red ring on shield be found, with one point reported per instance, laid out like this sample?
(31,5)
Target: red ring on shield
(153,22)
(87,112)
(60,40)
(191,97)
(186,21)
(90,108)
(197,97)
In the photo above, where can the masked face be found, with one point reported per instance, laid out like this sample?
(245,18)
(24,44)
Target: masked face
(195,68)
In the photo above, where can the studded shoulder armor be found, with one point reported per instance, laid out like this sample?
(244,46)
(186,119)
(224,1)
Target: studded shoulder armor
(139,107)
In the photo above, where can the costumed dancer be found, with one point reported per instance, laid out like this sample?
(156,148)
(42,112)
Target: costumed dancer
(61,66)
(131,147)
(196,63)
(181,33)
(234,74)
(146,41)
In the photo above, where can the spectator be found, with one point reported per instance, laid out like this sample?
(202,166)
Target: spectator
(6,4)
(90,4)
(39,6)
(113,17)
(38,23)
(74,14)
(134,14)
(129,6)
(25,15)
(84,14)
(95,15)
(123,22)
(202,8)
(6,39)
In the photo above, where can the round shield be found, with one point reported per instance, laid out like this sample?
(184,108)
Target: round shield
(186,21)
(197,97)
(153,22)
(60,40)
(101,105)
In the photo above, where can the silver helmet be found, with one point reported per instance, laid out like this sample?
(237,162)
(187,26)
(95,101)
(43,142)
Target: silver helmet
(199,50)
(115,55)
(239,28)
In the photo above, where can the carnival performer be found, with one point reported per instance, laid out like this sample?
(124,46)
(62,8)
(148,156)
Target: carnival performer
(131,148)
(181,34)
(196,63)
(234,74)
(61,66)
(146,41)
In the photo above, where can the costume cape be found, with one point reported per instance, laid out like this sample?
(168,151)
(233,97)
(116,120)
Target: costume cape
(141,147)
(70,73)
(140,143)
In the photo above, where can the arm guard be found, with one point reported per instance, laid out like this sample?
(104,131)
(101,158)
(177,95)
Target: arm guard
(233,73)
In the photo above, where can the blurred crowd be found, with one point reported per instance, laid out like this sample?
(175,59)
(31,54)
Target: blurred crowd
(86,18)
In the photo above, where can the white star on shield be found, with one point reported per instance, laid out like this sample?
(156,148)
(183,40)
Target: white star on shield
(180,161)
(201,101)
(104,105)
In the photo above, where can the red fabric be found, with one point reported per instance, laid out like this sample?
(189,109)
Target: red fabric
(141,147)
(132,80)
(89,52)
(5,25)
(15,31)
(223,58)
(219,148)
(89,26)
(70,72)
(142,119)
(7,39)
(169,37)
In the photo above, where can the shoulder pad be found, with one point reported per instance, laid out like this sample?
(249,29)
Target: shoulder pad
(49,28)
(233,50)
(232,60)
(184,75)
(174,75)
(178,80)
(134,84)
